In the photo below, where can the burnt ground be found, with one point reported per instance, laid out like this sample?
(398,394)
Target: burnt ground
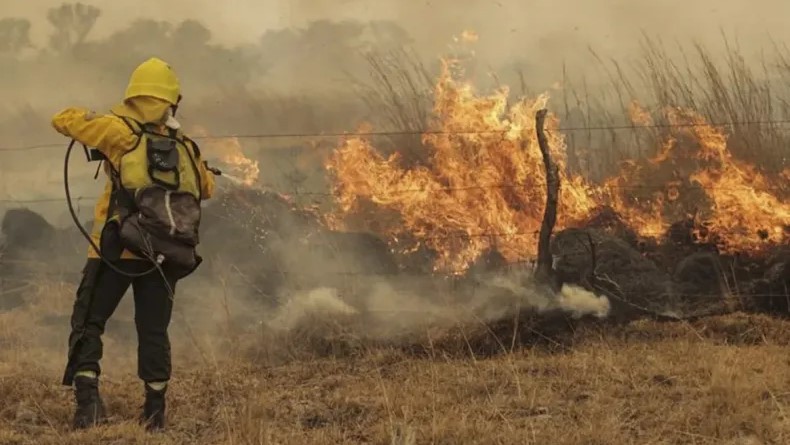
(275,249)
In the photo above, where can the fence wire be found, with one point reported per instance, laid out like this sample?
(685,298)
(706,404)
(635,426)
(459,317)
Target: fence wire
(390,133)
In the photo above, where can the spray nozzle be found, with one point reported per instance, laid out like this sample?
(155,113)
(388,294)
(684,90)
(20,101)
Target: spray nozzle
(219,172)
(215,170)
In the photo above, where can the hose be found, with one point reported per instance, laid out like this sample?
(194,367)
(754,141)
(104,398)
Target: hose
(85,232)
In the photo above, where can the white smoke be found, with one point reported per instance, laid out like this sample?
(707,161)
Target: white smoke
(320,302)
(385,311)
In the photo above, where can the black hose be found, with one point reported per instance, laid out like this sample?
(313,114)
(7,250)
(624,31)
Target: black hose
(85,232)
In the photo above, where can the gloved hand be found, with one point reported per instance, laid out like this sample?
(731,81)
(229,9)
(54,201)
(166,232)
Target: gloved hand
(62,120)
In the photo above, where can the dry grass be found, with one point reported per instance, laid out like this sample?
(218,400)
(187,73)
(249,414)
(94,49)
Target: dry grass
(722,380)
(745,96)
(739,93)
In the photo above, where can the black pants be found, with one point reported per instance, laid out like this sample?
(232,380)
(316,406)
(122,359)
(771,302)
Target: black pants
(98,296)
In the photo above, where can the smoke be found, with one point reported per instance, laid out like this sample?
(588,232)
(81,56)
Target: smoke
(252,77)
(281,67)
(321,303)
(538,36)
(389,311)
(572,299)
(582,302)
(508,28)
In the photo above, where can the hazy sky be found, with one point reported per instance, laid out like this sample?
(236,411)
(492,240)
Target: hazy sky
(542,32)
(506,27)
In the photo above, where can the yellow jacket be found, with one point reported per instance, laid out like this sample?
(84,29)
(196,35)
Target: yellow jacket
(112,137)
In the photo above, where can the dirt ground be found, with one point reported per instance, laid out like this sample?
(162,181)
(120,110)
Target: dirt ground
(723,380)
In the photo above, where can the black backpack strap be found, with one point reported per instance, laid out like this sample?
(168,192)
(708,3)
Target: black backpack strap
(194,157)
(120,198)
(139,129)
(135,127)
(195,147)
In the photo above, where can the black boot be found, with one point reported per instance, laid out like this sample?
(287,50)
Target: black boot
(90,409)
(154,408)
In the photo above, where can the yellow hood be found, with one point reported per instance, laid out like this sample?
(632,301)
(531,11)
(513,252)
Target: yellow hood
(143,109)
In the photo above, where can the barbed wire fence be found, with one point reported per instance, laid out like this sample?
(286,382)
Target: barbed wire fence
(329,196)
(357,134)
(312,135)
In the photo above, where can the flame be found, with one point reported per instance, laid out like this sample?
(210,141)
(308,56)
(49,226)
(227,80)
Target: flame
(638,114)
(482,187)
(229,151)
(483,190)
(695,176)
(469,36)
(743,202)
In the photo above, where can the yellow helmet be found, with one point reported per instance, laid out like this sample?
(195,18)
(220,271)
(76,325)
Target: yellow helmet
(154,78)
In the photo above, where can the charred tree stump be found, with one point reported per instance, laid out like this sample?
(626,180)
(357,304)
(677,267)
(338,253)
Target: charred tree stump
(545,270)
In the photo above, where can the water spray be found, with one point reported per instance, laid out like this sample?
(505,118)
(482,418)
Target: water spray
(217,172)
(235,180)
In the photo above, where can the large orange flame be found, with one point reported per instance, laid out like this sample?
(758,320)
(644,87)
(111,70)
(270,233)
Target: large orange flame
(483,187)
(695,175)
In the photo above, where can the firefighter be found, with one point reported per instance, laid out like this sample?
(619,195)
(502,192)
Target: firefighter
(153,169)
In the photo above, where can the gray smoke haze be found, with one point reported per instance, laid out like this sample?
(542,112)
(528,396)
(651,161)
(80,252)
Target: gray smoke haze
(508,28)
(536,36)
(282,92)
(230,94)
